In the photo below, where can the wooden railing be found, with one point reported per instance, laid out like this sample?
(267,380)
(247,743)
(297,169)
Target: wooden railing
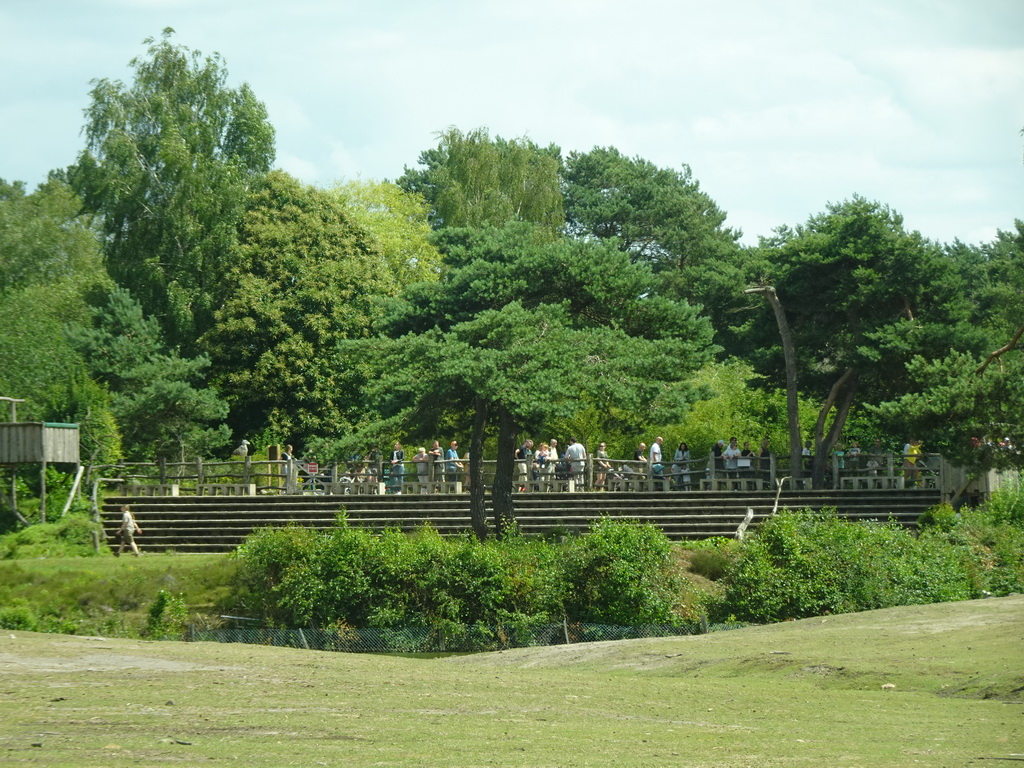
(248,476)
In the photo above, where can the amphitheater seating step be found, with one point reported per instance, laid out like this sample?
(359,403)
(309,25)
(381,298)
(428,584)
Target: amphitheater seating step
(221,523)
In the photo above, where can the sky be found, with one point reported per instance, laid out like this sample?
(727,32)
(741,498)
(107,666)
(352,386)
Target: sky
(779,108)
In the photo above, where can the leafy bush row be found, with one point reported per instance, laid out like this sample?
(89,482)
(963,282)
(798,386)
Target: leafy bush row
(617,574)
(803,563)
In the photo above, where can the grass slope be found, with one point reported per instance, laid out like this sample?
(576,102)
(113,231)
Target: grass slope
(810,692)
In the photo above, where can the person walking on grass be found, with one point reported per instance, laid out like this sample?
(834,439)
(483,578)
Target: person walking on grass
(129,527)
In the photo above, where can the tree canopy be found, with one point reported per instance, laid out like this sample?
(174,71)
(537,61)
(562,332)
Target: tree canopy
(470,179)
(170,287)
(862,296)
(304,277)
(523,328)
(167,165)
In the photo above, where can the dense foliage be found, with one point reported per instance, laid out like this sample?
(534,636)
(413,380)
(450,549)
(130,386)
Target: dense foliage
(616,574)
(795,565)
(172,293)
(801,563)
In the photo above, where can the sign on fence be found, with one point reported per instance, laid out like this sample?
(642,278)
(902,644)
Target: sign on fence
(312,467)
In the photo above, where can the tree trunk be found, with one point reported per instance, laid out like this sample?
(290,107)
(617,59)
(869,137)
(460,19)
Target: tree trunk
(841,398)
(501,493)
(792,400)
(477,509)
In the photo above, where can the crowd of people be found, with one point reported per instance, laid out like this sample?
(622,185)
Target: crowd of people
(547,461)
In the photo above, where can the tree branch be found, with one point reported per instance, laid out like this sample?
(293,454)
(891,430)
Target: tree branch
(1012,344)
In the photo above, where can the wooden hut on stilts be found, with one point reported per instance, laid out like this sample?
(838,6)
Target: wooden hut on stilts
(37,442)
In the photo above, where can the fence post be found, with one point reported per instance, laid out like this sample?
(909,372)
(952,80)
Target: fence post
(199,472)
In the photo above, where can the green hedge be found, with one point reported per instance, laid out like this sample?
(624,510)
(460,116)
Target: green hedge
(802,564)
(616,574)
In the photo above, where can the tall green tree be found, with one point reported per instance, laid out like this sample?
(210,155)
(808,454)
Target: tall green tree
(472,180)
(524,328)
(862,296)
(395,222)
(305,276)
(167,165)
(969,402)
(50,264)
(661,217)
(160,401)
(44,240)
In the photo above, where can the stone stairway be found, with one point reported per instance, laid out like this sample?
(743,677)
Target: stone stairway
(221,523)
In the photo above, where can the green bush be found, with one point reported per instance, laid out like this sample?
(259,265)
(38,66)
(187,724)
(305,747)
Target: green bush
(801,564)
(19,616)
(713,563)
(168,617)
(1005,505)
(616,574)
(941,516)
(71,536)
(997,549)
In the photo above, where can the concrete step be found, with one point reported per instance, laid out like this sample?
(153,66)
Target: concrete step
(220,524)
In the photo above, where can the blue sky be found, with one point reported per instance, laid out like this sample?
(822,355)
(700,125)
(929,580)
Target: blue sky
(779,107)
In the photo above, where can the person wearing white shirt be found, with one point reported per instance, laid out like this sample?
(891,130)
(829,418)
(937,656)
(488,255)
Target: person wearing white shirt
(731,454)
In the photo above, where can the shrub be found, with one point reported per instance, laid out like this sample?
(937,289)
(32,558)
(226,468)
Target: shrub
(1005,505)
(167,617)
(712,563)
(71,536)
(941,516)
(616,574)
(19,616)
(801,564)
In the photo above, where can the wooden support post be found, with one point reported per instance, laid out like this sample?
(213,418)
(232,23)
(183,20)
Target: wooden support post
(42,493)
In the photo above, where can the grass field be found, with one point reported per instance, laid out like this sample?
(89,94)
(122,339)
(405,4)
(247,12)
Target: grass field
(935,685)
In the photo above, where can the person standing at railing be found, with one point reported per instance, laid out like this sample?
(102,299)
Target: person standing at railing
(853,456)
(639,463)
(576,455)
(397,467)
(808,455)
(731,454)
(717,463)
(745,462)
(601,467)
(436,460)
(911,454)
(681,467)
(540,461)
(657,468)
(553,453)
(422,461)
(524,458)
(453,466)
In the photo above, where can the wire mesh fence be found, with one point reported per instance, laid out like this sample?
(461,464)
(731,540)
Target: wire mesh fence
(452,638)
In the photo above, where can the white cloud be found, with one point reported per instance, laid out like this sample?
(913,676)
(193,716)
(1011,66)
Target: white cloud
(779,107)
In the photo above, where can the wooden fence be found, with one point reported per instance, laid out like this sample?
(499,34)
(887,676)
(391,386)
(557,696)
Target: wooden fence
(242,477)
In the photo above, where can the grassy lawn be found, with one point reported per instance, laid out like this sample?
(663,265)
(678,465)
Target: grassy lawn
(936,685)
